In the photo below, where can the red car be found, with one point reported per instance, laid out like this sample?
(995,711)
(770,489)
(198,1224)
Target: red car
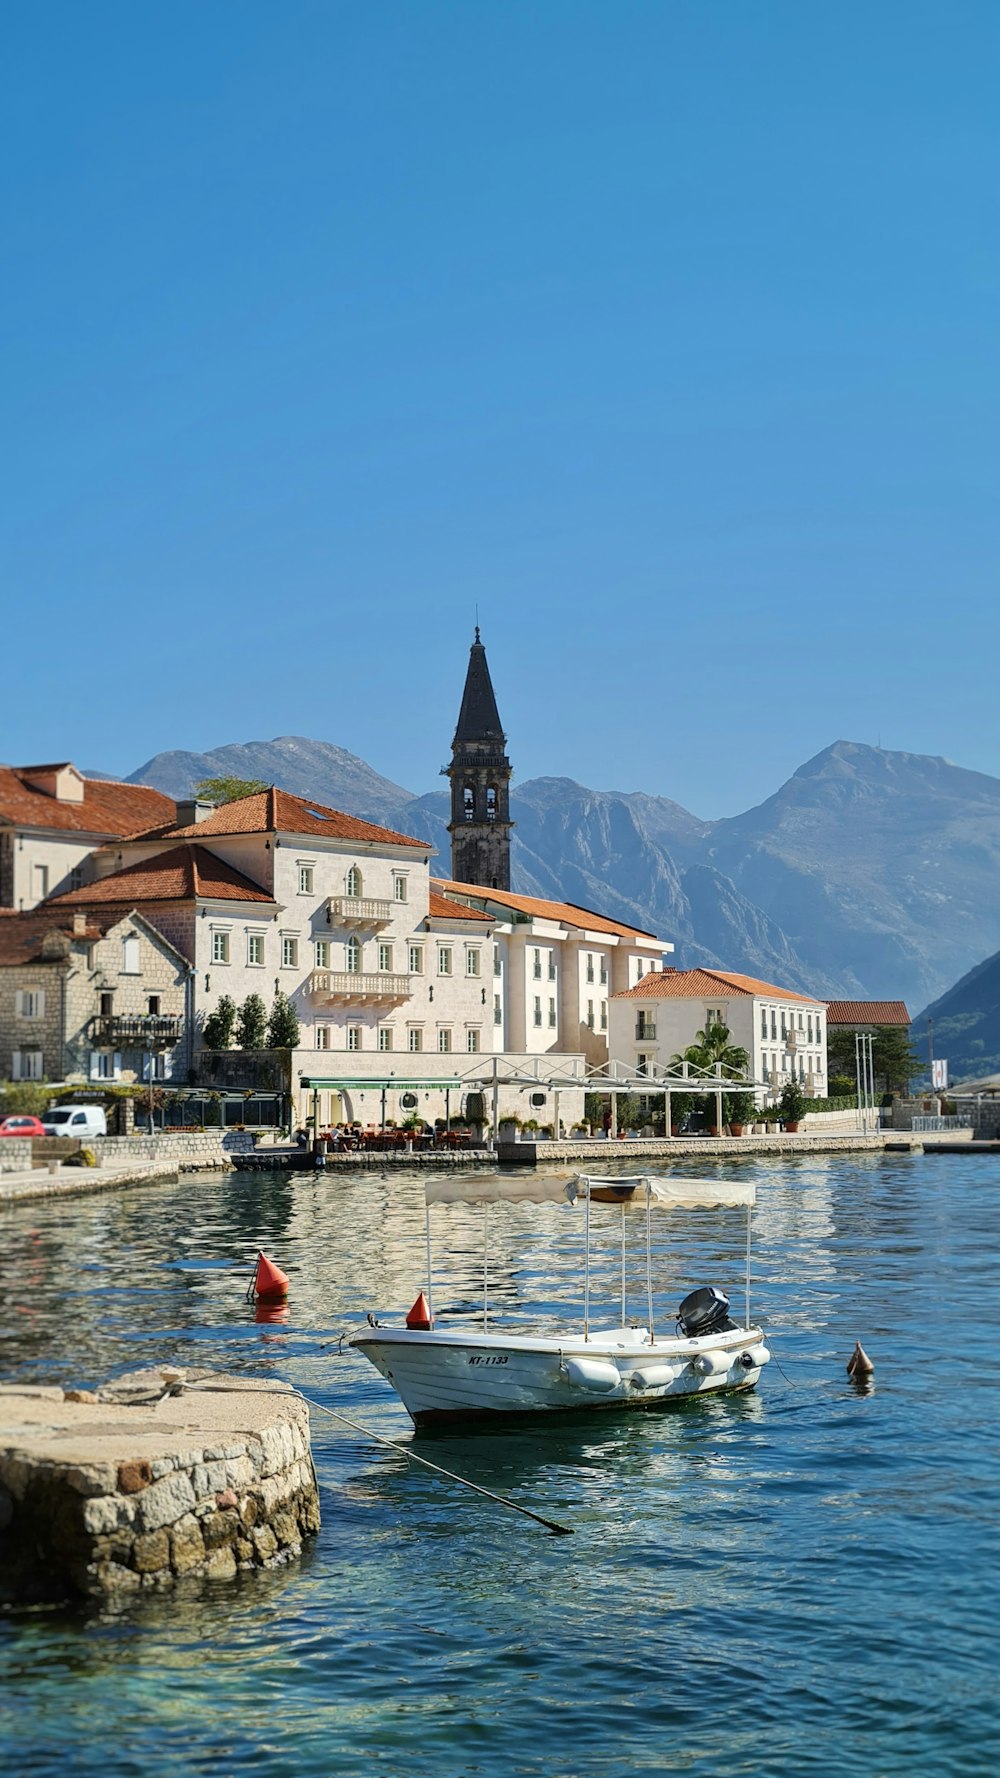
(21,1126)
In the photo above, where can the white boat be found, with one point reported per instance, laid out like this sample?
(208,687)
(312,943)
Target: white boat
(460,1373)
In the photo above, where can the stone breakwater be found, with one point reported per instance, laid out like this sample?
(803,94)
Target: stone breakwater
(161,1476)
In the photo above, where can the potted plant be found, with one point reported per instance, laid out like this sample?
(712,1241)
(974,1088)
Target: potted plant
(680,1108)
(739,1111)
(792,1105)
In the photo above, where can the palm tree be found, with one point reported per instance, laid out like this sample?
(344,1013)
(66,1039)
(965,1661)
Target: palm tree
(710,1048)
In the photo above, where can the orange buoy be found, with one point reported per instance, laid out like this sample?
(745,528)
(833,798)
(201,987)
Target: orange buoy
(270,1282)
(420,1315)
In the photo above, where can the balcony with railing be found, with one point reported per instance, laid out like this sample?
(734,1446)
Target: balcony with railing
(358,988)
(358,910)
(645,1031)
(137,1031)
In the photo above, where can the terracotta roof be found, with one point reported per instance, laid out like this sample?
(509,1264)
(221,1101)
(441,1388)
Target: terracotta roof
(563,911)
(185,873)
(441,908)
(866,1012)
(21,935)
(107,808)
(701,984)
(278,811)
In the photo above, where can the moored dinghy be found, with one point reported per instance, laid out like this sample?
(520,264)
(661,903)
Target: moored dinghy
(462,1373)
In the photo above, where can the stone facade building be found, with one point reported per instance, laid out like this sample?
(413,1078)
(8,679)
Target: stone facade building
(52,820)
(97,995)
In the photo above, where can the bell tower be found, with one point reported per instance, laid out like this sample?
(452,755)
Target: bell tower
(480,775)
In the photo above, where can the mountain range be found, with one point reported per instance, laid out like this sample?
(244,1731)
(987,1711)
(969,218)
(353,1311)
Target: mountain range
(868,875)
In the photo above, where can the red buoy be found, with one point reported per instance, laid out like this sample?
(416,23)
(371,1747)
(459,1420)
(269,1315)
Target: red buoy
(270,1283)
(420,1315)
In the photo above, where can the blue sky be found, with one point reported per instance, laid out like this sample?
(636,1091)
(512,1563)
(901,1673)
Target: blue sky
(665,334)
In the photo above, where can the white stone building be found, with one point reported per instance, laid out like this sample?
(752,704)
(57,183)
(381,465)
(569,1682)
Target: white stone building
(554,970)
(53,819)
(784,1033)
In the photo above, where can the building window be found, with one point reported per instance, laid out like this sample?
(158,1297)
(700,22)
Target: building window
(491,802)
(444,1043)
(322,1037)
(107,1005)
(590,1014)
(472,962)
(497,966)
(604,1015)
(305,879)
(538,1010)
(537,966)
(552,1014)
(642,1063)
(468,802)
(385,959)
(26,1065)
(714,1015)
(809,1026)
(153,1006)
(255,949)
(76,877)
(552,967)
(352,956)
(774,1026)
(130,955)
(384,1038)
(40,886)
(472,1042)
(399,888)
(640,970)
(784,1025)
(590,966)
(603,973)
(220,947)
(416,959)
(497,1010)
(289,953)
(414,1041)
(322,954)
(763,1021)
(353,1037)
(444,959)
(31,1003)
(352,882)
(104,1065)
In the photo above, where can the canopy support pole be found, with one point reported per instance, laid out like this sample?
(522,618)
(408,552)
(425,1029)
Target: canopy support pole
(586,1267)
(427,1241)
(667,1125)
(486,1305)
(623,1262)
(649,1269)
(748,1266)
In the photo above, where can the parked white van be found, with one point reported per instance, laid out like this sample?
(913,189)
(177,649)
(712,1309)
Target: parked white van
(75,1120)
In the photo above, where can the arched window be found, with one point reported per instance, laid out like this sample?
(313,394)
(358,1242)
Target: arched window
(491,802)
(353,883)
(469,802)
(353,950)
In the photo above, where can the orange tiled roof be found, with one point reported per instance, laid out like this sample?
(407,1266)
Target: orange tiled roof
(278,811)
(866,1012)
(563,911)
(441,908)
(698,984)
(185,873)
(107,808)
(21,935)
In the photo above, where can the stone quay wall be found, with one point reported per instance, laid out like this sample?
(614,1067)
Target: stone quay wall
(187,1150)
(161,1477)
(15,1154)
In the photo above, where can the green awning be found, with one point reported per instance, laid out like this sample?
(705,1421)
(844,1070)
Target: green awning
(395,1085)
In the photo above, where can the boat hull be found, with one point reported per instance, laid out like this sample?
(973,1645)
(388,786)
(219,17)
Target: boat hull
(447,1378)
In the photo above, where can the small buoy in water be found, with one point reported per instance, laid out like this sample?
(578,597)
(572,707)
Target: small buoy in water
(859,1365)
(420,1315)
(270,1282)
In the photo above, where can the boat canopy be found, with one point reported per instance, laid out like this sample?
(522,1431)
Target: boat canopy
(673,1193)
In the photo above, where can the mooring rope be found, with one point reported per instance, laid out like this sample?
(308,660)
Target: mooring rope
(437,1468)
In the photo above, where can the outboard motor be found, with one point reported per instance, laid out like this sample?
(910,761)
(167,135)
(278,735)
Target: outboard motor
(704,1311)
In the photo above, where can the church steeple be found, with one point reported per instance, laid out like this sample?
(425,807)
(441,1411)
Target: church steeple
(480,776)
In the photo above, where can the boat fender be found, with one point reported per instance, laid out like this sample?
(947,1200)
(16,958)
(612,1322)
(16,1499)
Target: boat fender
(760,1354)
(709,1364)
(653,1376)
(590,1373)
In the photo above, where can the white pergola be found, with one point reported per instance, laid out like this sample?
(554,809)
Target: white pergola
(613,1078)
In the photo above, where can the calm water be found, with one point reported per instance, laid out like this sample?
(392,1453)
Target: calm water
(801,1580)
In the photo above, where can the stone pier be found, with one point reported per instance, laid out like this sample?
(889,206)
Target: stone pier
(162,1475)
